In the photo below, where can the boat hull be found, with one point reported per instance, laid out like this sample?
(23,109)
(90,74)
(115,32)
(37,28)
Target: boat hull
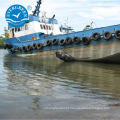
(97,50)
(108,52)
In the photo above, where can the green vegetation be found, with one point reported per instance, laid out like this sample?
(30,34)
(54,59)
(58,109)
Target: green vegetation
(3,37)
(1,42)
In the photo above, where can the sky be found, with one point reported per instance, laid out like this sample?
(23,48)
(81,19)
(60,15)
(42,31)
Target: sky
(75,13)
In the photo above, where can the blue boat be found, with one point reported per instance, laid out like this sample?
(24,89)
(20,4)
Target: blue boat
(45,37)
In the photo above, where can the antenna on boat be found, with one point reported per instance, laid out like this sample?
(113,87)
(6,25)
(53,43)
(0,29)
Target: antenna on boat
(93,24)
(44,20)
(53,16)
(67,24)
(37,9)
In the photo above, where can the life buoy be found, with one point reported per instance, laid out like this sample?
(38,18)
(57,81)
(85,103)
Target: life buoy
(62,42)
(77,40)
(117,34)
(96,36)
(107,35)
(69,41)
(48,43)
(33,37)
(55,42)
(86,41)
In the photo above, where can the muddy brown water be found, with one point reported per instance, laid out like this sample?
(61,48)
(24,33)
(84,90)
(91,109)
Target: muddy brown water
(32,87)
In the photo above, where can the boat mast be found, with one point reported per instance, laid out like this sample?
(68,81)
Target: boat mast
(37,9)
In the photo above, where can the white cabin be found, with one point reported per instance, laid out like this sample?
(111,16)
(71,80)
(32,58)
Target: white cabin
(35,27)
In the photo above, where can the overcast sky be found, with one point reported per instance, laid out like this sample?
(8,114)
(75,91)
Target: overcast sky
(79,12)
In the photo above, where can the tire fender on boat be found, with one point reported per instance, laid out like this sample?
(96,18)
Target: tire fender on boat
(55,42)
(62,42)
(18,49)
(86,40)
(24,48)
(9,46)
(48,43)
(117,34)
(34,46)
(76,40)
(39,46)
(12,50)
(107,35)
(29,48)
(69,40)
(96,36)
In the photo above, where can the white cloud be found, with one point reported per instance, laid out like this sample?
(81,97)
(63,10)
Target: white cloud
(2,11)
(101,13)
(90,16)
(106,12)
(79,12)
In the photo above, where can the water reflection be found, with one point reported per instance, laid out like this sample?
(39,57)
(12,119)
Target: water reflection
(36,103)
(50,77)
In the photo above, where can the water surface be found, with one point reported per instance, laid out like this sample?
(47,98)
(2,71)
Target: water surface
(33,87)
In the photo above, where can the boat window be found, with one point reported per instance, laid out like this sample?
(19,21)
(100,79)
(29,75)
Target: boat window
(49,28)
(41,26)
(18,29)
(15,29)
(13,34)
(22,28)
(26,27)
(44,26)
